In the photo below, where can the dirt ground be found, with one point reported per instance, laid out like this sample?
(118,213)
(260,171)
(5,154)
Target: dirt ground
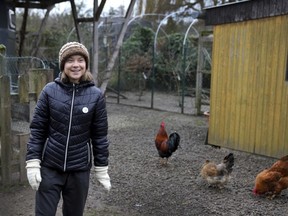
(141,186)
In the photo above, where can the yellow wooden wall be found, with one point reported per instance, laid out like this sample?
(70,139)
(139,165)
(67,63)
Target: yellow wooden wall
(249,94)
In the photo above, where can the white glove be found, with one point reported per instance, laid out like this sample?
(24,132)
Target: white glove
(33,173)
(101,174)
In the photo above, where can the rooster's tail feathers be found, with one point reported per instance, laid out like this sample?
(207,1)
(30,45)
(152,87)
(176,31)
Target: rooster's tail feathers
(229,161)
(174,141)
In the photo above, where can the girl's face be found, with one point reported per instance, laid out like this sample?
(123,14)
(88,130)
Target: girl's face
(75,67)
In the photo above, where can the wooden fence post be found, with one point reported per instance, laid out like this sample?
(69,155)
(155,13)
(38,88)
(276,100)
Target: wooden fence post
(5,114)
(23,89)
(38,78)
(1,74)
(22,140)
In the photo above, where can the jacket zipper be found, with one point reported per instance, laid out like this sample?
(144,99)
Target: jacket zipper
(69,128)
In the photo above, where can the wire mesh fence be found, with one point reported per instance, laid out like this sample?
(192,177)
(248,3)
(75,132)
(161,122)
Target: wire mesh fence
(172,100)
(17,66)
(163,82)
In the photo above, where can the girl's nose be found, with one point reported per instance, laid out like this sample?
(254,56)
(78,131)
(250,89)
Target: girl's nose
(75,63)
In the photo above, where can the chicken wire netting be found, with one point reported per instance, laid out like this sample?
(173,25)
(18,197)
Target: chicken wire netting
(161,83)
(17,66)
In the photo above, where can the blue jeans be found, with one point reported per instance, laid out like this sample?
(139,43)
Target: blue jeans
(72,185)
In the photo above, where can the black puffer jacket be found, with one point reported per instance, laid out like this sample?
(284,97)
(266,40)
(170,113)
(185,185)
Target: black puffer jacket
(68,118)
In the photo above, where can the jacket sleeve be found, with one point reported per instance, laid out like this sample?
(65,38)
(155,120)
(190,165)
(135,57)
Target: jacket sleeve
(99,133)
(38,128)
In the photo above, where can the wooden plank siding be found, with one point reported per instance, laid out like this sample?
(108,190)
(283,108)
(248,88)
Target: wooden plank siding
(249,94)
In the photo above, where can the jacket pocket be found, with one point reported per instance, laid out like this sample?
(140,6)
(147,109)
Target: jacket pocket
(89,152)
(44,149)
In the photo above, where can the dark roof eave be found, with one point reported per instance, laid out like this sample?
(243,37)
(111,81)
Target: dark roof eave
(245,10)
(40,4)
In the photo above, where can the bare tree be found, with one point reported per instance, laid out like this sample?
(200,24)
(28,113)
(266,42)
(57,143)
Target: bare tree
(37,40)
(117,48)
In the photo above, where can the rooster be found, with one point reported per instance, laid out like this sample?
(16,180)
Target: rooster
(270,182)
(217,175)
(165,144)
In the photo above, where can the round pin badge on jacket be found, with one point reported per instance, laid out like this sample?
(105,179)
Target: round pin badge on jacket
(85,110)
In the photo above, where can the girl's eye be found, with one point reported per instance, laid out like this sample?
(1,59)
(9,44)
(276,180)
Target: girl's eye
(71,60)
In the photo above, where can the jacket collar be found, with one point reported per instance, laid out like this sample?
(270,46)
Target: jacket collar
(70,85)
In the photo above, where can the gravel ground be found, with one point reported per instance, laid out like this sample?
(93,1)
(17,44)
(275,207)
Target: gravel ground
(141,186)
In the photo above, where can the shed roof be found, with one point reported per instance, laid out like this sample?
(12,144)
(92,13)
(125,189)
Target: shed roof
(245,10)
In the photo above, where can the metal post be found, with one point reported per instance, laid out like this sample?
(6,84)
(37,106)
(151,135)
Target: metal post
(200,66)
(119,76)
(95,56)
(184,59)
(153,78)
(183,78)
(154,52)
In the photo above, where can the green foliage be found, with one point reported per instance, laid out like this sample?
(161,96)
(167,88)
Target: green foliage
(171,60)
(58,30)
(136,58)
(140,41)
(53,37)
(173,46)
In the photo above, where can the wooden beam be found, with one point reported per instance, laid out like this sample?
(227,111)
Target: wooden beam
(5,139)
(23,28)
(37,4)
(99,10)
(95,54)
(31,5)
(96,16)
(74,14)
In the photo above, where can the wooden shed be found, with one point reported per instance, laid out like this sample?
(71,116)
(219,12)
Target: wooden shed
(249,78)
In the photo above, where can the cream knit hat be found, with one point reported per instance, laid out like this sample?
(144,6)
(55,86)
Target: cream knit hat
(72,48)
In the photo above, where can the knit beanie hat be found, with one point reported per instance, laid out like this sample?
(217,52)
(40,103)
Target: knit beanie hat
(72,48)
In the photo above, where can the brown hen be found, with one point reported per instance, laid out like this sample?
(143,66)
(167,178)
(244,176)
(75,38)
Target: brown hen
(270,182)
